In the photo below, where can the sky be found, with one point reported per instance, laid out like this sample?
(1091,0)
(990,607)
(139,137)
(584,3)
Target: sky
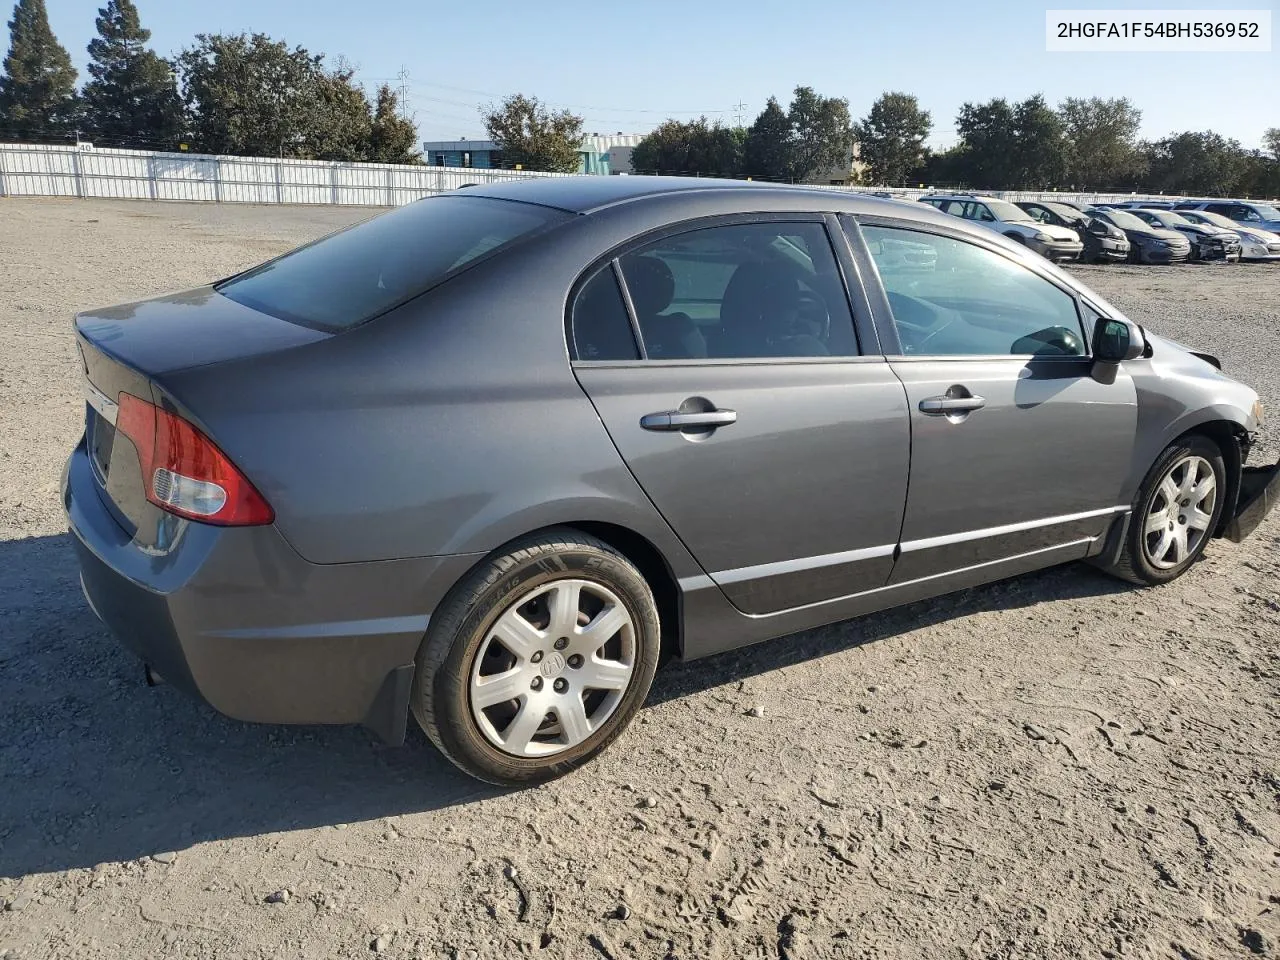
(625,67)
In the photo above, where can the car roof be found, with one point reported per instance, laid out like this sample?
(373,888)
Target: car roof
(586,194)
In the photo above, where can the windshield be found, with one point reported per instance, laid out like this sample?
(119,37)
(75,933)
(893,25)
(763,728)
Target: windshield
(1266,211)
(1204,216)
(1003,210)
(1126,221)
(351,276)
(1062,210)
(1168,218)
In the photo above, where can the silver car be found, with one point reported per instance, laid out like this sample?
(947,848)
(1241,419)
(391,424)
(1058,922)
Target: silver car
(488,458)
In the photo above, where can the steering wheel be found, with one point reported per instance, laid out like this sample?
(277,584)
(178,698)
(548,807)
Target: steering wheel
(812,311)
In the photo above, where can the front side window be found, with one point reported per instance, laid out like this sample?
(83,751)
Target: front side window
(755,290)
(352,276)
(960,299)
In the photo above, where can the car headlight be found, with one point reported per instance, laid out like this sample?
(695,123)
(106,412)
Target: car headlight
(1043,238)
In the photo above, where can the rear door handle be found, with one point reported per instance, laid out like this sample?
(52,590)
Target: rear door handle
(675,420)
(938,406)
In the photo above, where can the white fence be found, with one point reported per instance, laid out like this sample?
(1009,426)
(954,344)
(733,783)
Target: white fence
(55,171)
(37,170)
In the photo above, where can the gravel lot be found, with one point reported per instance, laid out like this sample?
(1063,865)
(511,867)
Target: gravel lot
(1051,767)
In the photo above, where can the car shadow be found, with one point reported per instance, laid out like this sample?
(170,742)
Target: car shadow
(96,767)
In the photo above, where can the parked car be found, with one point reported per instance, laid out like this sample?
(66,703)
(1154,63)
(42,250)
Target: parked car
(1207,242)
(1255,244)
(1052,243)
(1142,205)
(441,462)
(1247,213)
(1147,244)
(1101,240)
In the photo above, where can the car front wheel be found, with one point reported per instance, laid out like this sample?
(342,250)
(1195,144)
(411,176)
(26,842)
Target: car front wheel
(538,659)
(1175,513)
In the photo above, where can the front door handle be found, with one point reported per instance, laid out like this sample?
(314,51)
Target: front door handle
(940,406)
(675,420)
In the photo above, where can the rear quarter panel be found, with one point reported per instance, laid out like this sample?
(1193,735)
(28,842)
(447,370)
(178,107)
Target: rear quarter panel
(449,426)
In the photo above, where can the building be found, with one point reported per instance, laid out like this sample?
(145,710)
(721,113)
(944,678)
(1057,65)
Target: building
(596,154)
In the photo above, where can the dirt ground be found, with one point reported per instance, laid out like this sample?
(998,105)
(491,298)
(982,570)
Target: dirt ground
(1052,767)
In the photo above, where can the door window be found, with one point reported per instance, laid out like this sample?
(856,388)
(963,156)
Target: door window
(964,300)
(755,290)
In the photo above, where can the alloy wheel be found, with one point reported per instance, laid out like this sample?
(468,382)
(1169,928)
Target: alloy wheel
(553,668)
(1180,513)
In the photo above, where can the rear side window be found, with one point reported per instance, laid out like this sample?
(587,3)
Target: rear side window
(601,326)
(352,276)
(750,290)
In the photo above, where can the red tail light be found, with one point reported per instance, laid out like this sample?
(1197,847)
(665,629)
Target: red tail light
(184,472)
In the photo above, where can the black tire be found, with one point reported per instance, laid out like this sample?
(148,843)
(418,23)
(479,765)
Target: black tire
(1134,563)
(461,623)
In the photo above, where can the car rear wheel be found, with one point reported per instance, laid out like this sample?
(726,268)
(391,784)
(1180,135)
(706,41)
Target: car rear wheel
(538,659)
(1175,513)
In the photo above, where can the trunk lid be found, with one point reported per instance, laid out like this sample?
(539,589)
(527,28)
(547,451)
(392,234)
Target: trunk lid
(130,349)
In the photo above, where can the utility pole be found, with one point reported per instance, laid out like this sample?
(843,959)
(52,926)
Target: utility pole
(737,116)
(403,91)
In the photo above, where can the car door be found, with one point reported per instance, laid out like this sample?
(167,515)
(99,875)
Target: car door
(777,450)
(1015,447)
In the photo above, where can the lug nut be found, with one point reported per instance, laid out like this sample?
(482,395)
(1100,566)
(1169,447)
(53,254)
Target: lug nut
(562,643)
(575,661)
(561,684)
(537,683)
(537,657)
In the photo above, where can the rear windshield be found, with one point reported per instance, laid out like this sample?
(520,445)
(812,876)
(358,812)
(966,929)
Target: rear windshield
(352,276)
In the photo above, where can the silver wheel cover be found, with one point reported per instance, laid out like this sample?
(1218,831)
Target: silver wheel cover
(1180,513)
(553,668)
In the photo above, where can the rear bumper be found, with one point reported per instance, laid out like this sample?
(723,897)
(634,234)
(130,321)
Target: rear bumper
(236,617)
(1259,494)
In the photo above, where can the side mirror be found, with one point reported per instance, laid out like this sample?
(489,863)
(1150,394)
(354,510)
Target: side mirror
(1115,341)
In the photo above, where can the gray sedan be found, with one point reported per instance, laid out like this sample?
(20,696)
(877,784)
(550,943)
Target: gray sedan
(489,457)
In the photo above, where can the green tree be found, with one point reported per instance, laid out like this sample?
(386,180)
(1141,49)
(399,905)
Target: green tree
(530,134)
(340,124)
(1040,148)
(821,134)
(988,142)
(693,147)
(38,86)
(392,138)
(254,96)
(767,147)
(132,99)
(1102,138)
(891,138)
(1260,176)
(1271,141)
(1196,163)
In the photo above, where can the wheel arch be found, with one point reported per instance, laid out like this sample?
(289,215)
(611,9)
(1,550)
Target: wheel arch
(641,551)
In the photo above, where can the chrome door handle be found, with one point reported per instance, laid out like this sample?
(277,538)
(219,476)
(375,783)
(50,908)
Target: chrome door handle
(675,420)
(938,406)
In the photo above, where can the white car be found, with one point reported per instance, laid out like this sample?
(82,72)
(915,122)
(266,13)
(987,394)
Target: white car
(1255,243)
(1050,241)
